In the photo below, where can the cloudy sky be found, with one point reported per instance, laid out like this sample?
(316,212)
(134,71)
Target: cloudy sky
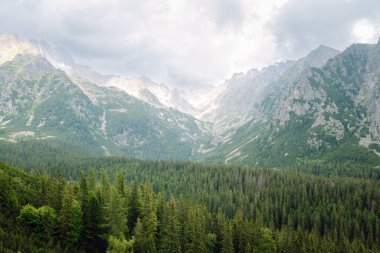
(191,43)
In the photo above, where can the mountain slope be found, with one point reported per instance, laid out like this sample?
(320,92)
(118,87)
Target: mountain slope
(143,88)
(40,102)
(322,112)
(324,106)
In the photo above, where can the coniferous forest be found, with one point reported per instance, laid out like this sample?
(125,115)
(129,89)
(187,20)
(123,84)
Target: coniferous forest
(127,205)
(248,126)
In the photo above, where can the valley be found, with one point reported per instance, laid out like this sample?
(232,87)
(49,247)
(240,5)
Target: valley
(329,98)
(281,159)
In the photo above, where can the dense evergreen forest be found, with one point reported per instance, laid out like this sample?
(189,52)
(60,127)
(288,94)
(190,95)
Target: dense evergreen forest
(127,205)
(60,158)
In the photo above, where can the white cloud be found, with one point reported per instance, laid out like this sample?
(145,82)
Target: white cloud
(365,31)
(189,43)
(183,43)
(302,25)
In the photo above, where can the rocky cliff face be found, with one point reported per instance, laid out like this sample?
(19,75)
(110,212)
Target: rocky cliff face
(324,105)
(369,94)
(242,94)
(250,96)
(340,96)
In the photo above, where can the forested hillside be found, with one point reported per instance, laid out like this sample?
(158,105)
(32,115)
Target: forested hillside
(324,106)
(122,205)
(41,103)
(58,157)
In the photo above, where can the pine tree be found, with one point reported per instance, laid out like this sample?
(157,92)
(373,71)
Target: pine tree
(134,206)
(210,242)
(283,240)
(138,232)
(93,231)
(120,183)
(117,220)
(149,221)
(195,230)
(105,186)
(70,217)
(91,179)
(224,233)
(61,185)
(145,231)
(117,245)
(266,242)
(240,236)
(67,199)
(83,195)
(171,229)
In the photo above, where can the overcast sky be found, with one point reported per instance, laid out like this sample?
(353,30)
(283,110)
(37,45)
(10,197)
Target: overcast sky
(191,43)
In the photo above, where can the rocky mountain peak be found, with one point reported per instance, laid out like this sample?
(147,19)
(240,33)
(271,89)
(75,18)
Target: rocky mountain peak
(319,56)
(11,45)
(58,55)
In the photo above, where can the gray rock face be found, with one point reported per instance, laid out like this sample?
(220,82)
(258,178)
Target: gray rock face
(325,102)
(369,94)
(243,94)
(328,95)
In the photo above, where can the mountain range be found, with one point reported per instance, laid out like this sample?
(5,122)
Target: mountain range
(324,106)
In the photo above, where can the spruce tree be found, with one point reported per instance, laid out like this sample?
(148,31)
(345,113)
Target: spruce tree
(70,217)
(134,206)
(117,215)
(171,229)
(195,230)
(91,179)
(224,233)
(93,230)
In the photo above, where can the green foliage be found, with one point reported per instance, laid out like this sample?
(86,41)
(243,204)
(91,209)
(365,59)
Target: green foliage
(117,245)
(139,235)
(170,240)
(193,208)
(327,198)
(195,230)
(266,243)
(93,232)
(30,219)
(117,216)
(134,206)
(147,226)
(40,222)
(74,223)
(224,235)
(70,217)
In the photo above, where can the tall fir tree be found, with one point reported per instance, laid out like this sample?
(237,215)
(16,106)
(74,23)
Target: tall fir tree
(70,217)
(224,233)
(171,229)
(93,230)
(117,215)
(91,179)
(195,230)
(134,206)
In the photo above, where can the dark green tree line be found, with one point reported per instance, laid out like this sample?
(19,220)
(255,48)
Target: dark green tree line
(185,207)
